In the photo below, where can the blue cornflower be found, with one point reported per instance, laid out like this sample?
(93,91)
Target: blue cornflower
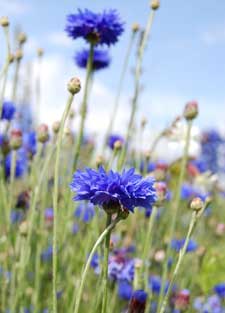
(21,164)
(46,255)
(101,59)
(220,290)
(8,110)
(30,142)
(16,216)
(124,290)
(98,28)
(155,284)
(114,138)
(114,191)
(177,245)
(49,214)
(1,139)
(138,301)
(85,212)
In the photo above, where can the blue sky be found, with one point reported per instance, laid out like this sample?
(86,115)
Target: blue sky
(184,59)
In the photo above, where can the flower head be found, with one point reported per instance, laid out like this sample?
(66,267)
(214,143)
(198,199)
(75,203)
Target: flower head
(113,139)
(177,245)
(138,301)
(220,290)
(21,164)
(114,191)
(8,110)
(98,28)
(101,59)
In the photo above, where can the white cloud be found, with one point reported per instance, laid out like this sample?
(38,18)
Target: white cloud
(59,39)
(214,36)
(13,7)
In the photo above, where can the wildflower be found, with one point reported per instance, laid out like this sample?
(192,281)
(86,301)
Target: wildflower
(113,139)
(191,110)
(137,302)
(30,142)
(49,215)
(46,255)
(101,59)
(182,299)
(113,191)
(124,290)
(220,290)
(15,139)
(23,200)
(21,164)
(16,216)
(97,28)
(74,85)
(8,110)
(177,245)
(85,212)
(43,133)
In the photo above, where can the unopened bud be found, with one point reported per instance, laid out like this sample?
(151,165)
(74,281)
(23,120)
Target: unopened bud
(74,85)
(4,21)
(155,4)
(135,27)
(99,160)
(197,204)
(23,228)
(22,38)
(19,55)
(56,127)
(11,58)
(159,256)
(118,145)
(191,110)
(15,139)
(43,133)
(40,52)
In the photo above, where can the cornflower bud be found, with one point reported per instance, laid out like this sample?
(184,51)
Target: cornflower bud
(43,133)
(197,204)
(74,85)
(15,140)
(155,4)
(4,21)
(191,110)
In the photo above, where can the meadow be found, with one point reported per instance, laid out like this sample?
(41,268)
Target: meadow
(106,226)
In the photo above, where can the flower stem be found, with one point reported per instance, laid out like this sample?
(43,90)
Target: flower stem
(137,84)
(105,266)
(15,80)
(147,246)
(118,94)
(5,69)
(55,198)
(84,273)
(175,206)
(84,107)
(179,261)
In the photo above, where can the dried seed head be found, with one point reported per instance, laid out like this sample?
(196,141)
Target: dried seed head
(4,21)
(155,4)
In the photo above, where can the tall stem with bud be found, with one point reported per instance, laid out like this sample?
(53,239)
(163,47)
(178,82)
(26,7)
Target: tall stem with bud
(73,88)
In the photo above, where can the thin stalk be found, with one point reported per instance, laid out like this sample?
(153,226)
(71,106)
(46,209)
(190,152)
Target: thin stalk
(84,107)
(55,199)
(137,84)
(175,206)
(105,266)
(15,79)
(179,261)
(5,69)
(84,273)
(12,178)
(120,86)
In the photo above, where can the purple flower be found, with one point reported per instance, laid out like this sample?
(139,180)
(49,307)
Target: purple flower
(30,142)
(114,138)
(177,245)
(21,164)
(220,290)
(113,190)
(124,290)
(98,28)
(47,254)
(85,212)
(8,110)
(101,59)
(16,216)
(137,302)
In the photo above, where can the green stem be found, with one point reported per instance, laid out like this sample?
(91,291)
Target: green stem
(83,107)
(179,261)
(175,206)
(55,198)
(15,80)
(84,273)
(147,246)
(118,94)
(12,177)
(105,266)
(5,69)
(137,85)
